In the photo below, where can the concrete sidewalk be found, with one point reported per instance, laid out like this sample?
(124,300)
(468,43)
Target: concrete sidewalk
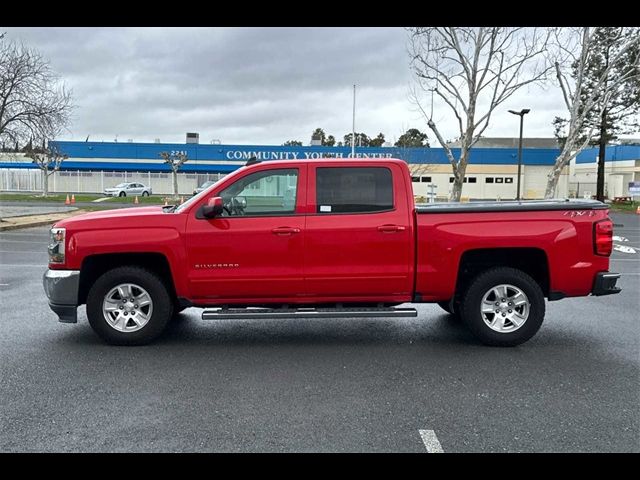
(7,211)
(26,221)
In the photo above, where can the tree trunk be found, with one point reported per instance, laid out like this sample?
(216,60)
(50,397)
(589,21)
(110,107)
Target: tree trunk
(175,184)
(552,181)
(601,154)
(459,172)
(45,183)
(456,189)
(554,174)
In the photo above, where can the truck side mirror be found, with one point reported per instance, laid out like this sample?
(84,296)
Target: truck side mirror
(213,208)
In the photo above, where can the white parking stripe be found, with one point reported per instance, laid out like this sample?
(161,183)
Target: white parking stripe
(431,441)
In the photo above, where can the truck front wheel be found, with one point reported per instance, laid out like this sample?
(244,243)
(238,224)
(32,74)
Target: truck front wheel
(503,307)
(129,306)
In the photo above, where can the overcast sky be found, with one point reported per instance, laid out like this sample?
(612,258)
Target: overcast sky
(250,85)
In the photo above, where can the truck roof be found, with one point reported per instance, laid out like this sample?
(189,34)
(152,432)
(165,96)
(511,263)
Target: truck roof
(330,161)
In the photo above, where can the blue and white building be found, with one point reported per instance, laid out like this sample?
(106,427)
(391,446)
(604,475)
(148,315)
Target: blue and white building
(492,172)
(621,166)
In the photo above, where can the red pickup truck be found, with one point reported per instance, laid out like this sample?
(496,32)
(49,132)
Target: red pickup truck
(327,238)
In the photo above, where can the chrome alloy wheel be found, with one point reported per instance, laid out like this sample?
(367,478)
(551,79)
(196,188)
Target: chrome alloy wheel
(505,308)
(127,307)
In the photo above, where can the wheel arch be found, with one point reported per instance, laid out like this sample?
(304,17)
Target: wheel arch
(93,266)
(533,261)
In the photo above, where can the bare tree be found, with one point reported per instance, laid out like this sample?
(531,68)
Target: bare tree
(473,71)
(48,159)
(33,102)
(175,160)
(583,95)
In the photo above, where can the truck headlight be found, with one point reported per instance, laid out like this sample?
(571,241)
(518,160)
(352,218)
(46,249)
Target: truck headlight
(57,245)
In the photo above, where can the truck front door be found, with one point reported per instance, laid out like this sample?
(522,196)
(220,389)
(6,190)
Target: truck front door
(255,248)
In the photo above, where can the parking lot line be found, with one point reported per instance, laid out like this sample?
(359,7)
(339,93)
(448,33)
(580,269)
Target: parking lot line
(431,441)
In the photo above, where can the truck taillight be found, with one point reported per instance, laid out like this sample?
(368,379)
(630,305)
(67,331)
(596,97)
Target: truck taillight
(603,237)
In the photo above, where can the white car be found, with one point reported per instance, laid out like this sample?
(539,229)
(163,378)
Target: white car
(131,188)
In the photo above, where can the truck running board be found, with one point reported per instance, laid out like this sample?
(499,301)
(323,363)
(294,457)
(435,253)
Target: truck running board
(265,313)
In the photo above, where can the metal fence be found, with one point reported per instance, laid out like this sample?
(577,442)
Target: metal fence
(80,181)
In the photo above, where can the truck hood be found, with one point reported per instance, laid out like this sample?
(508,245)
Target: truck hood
(122,217)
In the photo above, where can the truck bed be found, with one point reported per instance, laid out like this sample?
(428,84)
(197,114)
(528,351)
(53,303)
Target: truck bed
(510,206)
(556,235)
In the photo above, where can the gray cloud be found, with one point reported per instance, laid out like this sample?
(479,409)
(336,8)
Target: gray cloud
(247,85)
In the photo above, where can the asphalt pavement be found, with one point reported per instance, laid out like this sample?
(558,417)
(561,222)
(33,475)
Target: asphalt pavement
(328,385)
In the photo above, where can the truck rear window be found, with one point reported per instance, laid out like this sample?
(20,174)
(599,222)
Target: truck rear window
(353,189)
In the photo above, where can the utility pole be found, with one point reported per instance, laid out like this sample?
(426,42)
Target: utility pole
(353,133)
(521,113)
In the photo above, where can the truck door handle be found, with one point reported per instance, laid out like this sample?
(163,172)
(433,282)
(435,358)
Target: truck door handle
(285,230)
(390,228)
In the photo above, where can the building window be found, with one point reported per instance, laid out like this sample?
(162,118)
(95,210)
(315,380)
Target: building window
(499,179)
(450,179)
(472,179)
(425,179)
(415,179)
(508,180)
(488,180)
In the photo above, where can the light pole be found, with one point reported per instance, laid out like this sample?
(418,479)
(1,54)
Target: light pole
(353,133)
(521,113)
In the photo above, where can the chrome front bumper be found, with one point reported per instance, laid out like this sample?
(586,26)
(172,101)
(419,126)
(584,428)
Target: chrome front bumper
(61,287)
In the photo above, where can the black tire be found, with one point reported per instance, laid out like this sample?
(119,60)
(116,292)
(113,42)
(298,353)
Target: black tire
(162,306)
(145,194)
(451,308)
(122,194)
(472,301)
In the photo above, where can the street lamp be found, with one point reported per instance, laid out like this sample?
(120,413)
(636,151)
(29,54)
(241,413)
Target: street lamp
(521,113)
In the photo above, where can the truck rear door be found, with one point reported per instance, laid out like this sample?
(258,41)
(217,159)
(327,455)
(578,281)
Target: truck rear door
(359,235)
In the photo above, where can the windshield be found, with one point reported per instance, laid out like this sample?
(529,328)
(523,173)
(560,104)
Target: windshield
(197,197)
(120,185)
(206,184)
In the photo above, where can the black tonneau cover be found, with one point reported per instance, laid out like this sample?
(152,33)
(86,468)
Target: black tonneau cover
(511,206)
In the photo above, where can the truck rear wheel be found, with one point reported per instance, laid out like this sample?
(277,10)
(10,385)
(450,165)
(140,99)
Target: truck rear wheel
(503,307)
(129,306)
